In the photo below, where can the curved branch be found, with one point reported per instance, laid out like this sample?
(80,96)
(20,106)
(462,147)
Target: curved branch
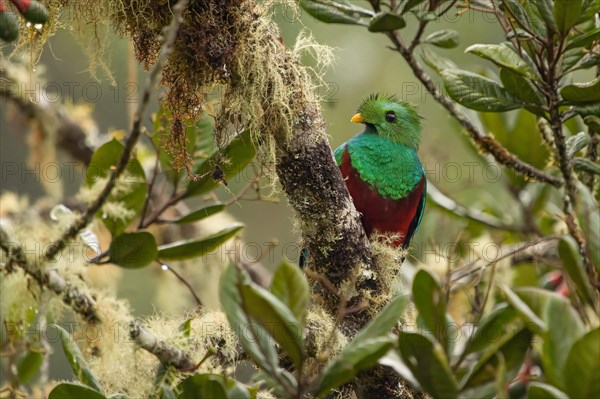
(484,142)
(448,204)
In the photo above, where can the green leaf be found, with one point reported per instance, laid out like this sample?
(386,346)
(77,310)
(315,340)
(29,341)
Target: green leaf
(564,327)
(77,361)
(585,165)
(367,347)
(290,286)
(593,122)
(68,390)
(546,11)
(193,248)
(523,309)
(584,39)
(520,87)
(428,364)
(29,365)
(573,264)
(254,339)
(132,184)
(409,5)
(232,160)
(446,38)
(495,329)
(566,14)
(576,143)
(386,22)
(588,109)
(435,61)
(538,390)
(578,93)
(588,216)
(186,328)
(201,214)
(133,250)
(515,135)
(488,365)
(590,8)
(536,21)
(477,92)
(385,320)
(504,56)
(576,59)
(354,358)
(276,318)
(213,386)
(334,12)
(582,368)
(514,10)
(430,301)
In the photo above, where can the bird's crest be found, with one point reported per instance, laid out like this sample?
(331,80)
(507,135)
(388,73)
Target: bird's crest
(391,98)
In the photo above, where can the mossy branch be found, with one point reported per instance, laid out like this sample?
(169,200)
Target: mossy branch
(72,296)
(82,303)
(170,34)
(485,142)
(85,305)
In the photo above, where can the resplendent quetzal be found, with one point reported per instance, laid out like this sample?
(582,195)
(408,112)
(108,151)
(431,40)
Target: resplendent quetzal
(382,169)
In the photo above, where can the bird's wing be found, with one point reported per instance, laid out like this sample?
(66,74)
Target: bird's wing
(414,225)
(338,154)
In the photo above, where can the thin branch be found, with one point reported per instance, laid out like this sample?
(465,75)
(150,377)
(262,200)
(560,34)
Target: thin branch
(166,267)
(170,33)
(523,252)
(564,161)
(447,203)
(484,142)
(150,188)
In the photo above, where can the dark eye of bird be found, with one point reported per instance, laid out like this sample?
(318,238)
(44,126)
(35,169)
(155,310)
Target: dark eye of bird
(390,117)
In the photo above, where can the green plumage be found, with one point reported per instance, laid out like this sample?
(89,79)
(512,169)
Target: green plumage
(392,168)
(382,170)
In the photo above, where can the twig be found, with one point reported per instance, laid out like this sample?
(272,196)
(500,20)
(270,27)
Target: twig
(166,267)
(453,207)
(170,33)
(484,142)
(526,251)
(150,188)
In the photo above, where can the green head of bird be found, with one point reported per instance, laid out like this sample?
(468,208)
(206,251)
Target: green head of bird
(390,118)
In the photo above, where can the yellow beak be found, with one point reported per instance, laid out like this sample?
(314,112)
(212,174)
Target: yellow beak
(358,118)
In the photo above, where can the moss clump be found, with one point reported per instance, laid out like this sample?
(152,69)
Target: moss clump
(230,46)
